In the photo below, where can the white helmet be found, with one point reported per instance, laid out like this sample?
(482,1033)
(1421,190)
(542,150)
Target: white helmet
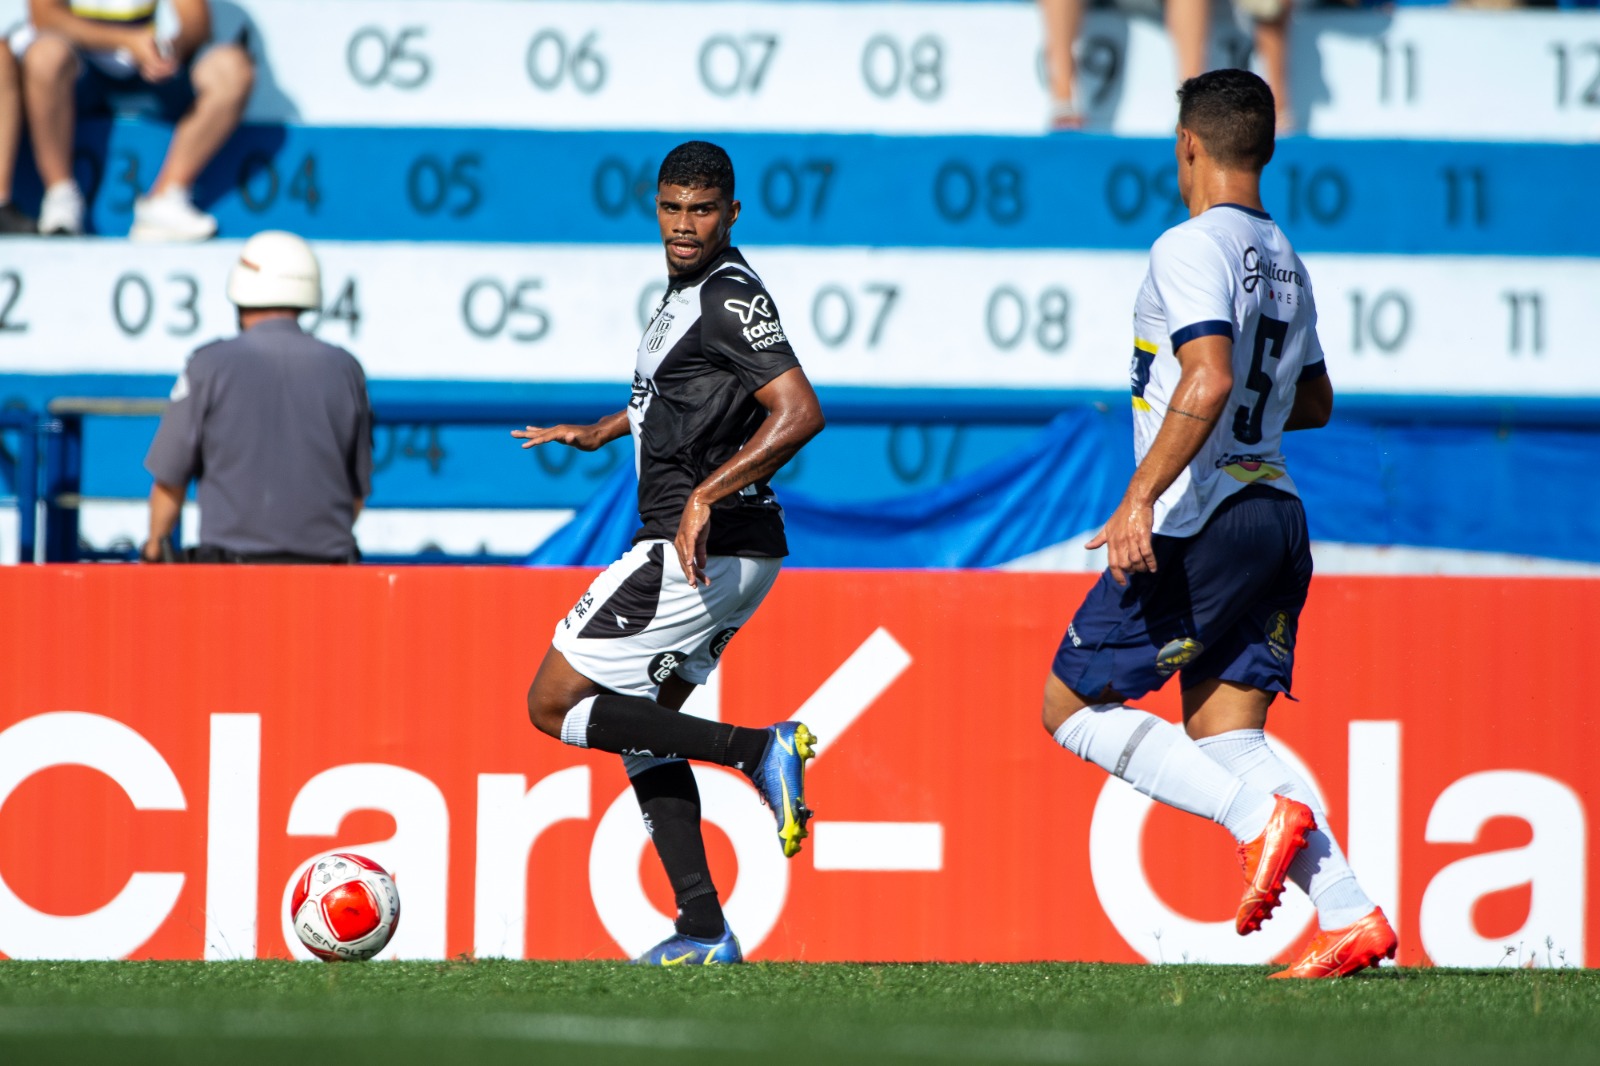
(276,269)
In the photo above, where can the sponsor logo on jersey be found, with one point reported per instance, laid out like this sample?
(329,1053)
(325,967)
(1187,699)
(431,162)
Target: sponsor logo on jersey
(1258,269)
(758,306)
(720,641)
(763,334)
(658,333)
(761,326)
(664,666)
(749,309)
(643,389)
(1280,639)
(1072,634)
(1248,468)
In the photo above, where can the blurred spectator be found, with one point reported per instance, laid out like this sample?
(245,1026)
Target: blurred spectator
(1189,24)
(11,219)
(1062,21)
(91,56)
(274,423)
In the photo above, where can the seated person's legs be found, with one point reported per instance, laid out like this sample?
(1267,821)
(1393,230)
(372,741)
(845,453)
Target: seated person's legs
(1272,45)
(1062,21)
(1189,27)
(11,220)
(50,69)
(206,111)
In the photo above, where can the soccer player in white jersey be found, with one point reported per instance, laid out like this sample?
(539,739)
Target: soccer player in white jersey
(1209,561)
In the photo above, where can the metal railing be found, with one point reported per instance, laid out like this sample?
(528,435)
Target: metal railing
(62,432)
(25,477)
(57,436)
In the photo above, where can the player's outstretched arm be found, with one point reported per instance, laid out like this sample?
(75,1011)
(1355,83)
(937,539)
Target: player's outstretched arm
(1313,404)
(794,416)
(1197,402)
(584,438)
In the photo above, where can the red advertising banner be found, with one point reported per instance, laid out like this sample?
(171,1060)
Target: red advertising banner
(176,742)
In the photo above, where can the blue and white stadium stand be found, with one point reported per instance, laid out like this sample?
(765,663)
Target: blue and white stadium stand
(476,176)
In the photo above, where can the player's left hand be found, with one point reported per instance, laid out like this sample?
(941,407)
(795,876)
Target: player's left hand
(153,56)
(1126,535)
(694,530)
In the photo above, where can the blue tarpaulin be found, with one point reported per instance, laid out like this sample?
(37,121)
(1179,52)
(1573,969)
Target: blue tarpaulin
(1525,490)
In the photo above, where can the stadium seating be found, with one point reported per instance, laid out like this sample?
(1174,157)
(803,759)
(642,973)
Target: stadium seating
(476,176)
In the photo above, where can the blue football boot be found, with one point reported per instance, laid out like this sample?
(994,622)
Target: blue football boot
(678,950)
(781,779)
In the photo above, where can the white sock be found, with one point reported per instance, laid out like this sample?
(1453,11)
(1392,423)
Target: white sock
(1158,758)
(1320,868)
(575,726)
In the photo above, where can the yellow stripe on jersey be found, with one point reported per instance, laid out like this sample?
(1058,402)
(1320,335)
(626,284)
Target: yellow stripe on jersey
(1141,404)
(1145,346)
(115,10)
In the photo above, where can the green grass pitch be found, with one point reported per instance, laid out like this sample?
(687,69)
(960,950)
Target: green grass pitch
(769,1014)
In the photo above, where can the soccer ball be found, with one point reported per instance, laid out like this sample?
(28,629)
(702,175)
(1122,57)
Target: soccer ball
(344,908)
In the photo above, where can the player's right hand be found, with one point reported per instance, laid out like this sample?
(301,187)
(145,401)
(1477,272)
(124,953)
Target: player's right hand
(577,437)
(1127,540)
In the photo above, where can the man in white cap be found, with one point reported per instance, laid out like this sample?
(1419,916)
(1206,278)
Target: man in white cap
(274,424)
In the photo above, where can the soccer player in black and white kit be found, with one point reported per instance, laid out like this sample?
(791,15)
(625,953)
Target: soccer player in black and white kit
(719,405)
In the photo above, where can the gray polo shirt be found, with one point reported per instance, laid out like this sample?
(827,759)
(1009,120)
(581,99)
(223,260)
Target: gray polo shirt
(276,426)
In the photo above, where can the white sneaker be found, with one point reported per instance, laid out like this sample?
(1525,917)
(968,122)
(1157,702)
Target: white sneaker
(61,210)
(170,217)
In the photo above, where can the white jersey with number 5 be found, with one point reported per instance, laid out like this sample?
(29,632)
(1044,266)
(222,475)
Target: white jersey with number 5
(1231,272)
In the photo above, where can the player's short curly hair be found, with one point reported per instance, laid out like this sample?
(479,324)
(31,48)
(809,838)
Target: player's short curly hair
(697,165)
(1233,114)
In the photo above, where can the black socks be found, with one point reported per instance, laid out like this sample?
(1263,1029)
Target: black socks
(746,748)
(668,796)
(633,725)
(670,802)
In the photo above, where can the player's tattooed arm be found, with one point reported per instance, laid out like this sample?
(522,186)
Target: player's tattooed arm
(1204,382)
(584,438)
(794,416)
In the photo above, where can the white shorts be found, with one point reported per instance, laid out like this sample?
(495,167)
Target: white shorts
(640,622)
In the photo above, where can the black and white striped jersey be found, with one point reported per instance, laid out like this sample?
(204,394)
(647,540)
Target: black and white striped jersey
(714,339)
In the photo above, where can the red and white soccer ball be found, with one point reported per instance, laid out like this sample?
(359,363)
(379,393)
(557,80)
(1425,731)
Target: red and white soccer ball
(344,907)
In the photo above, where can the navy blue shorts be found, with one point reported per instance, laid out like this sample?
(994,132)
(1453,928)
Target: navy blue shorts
(99,93)
(1224,603)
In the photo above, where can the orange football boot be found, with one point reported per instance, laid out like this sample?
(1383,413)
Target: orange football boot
(1340,952)
(1266,861)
